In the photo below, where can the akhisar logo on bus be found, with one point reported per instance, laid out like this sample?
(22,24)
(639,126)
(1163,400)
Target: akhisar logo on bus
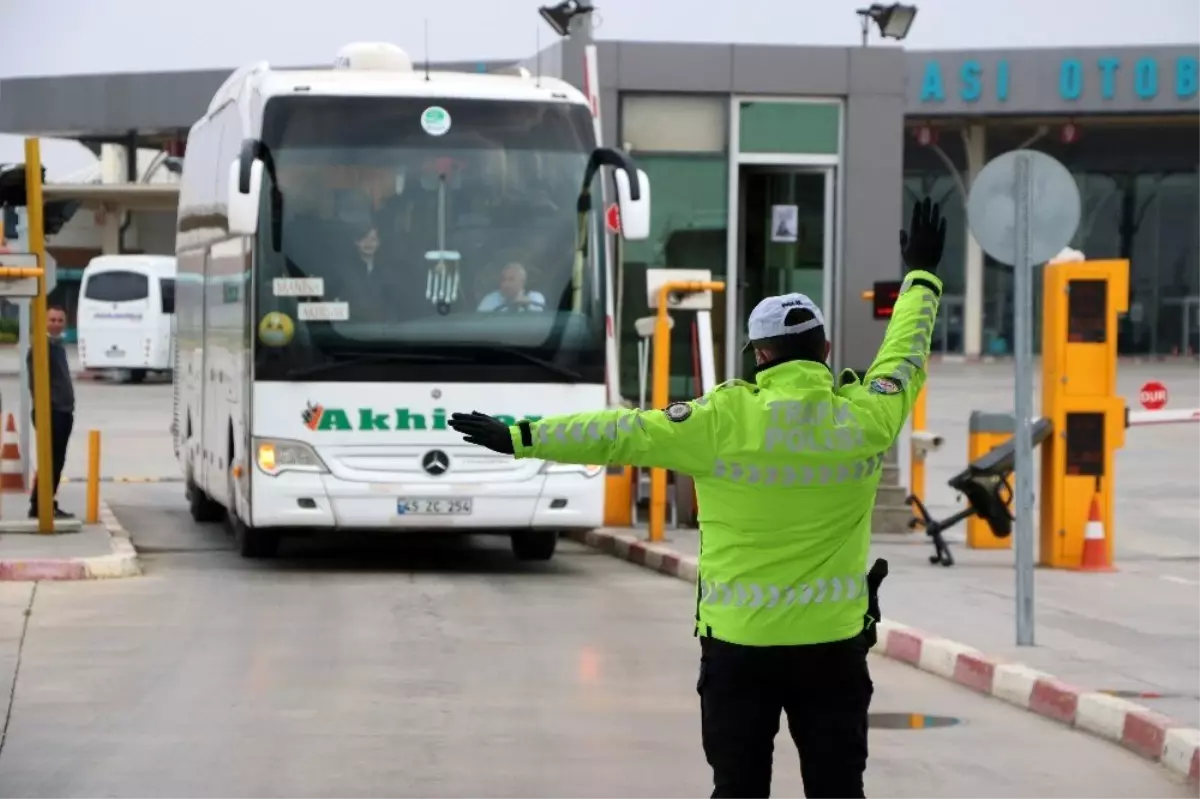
(318,417)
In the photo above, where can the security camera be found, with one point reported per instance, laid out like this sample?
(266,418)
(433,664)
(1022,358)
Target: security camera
(931,440)
(924,442)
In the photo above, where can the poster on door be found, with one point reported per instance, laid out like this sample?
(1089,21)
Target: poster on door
(785,224)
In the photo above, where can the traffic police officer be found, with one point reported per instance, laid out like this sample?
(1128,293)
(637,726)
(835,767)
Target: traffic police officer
(786,471)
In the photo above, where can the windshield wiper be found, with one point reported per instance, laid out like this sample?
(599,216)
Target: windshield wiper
(562,371)
(363,358)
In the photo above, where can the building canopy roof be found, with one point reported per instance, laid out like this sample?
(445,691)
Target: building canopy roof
(159,106)
(162,106)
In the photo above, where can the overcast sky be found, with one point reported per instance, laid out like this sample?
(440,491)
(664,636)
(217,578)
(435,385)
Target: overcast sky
(60,37)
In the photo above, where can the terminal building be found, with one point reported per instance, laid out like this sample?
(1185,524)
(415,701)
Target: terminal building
(792,169)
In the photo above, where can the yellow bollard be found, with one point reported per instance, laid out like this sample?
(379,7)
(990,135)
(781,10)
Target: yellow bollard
(93,478)
(618,496)
(916,460)
(661,395)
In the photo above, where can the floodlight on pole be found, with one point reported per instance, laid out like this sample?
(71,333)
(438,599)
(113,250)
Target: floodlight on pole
(559,16)
(893,20)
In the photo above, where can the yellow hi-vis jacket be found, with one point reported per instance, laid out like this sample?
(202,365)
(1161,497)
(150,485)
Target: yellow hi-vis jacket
(786,473)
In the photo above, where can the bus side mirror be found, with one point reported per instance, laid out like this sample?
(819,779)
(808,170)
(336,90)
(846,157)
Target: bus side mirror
(245,191)
(635,214)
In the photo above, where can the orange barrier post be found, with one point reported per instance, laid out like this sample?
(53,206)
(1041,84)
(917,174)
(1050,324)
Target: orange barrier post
(916,455)
(660,389)
(1083,300)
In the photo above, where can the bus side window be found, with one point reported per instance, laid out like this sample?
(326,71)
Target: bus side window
(168,295)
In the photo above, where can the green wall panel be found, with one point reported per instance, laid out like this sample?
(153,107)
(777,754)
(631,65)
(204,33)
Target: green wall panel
(800,128)
(687,193)
(688,217)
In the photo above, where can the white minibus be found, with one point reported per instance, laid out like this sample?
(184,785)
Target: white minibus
(126,317)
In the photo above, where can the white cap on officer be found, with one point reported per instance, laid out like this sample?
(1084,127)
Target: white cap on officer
(769,317)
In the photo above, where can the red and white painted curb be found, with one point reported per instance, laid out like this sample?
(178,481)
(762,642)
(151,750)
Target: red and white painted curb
(122,562)
(1139,729)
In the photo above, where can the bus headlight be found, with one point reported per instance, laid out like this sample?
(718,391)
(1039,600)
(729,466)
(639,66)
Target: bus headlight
(275,456)
(571,468)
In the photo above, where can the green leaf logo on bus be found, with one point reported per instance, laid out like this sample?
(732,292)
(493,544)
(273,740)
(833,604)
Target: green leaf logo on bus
(319,418)
(435,120)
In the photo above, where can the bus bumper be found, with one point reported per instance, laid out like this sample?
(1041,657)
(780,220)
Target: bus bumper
(561,501)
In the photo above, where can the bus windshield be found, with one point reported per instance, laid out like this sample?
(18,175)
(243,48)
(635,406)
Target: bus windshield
(426,240)
(117,286)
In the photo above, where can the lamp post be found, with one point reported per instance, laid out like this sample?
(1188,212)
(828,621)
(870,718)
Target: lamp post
(893,20)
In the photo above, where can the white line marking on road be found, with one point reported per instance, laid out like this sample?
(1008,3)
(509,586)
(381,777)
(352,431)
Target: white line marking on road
(1170,578)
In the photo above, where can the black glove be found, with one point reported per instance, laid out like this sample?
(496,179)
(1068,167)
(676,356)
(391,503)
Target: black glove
(479,428)
(921,247)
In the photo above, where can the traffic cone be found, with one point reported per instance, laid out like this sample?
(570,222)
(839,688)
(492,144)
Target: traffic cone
(11,476)
(1095,551)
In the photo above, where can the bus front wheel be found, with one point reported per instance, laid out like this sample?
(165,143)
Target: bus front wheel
(252,542)
(137,375)
(534,544)
(201,506)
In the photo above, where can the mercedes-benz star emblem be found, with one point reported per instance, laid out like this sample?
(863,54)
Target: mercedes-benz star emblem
(435,462)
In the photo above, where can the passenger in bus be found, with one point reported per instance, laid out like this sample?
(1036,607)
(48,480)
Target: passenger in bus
(512,295)
(380,278)
(367,246)
(342,247)
(356,276)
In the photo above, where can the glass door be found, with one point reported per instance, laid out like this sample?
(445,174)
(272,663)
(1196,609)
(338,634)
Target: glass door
(786,237)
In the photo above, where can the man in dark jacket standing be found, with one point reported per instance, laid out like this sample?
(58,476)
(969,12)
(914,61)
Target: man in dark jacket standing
(62,404)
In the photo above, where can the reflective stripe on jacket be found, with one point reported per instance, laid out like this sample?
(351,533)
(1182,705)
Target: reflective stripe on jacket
(786,472)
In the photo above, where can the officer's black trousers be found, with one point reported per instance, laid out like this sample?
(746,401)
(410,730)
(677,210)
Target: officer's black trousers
(825,689)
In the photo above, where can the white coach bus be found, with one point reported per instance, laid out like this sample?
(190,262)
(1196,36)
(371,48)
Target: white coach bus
(365,250)
(126,314)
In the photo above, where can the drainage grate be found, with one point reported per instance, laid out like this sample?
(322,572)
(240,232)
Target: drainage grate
(909,721)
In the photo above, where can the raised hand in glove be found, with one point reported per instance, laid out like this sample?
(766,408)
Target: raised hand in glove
(921,247)
(479,428)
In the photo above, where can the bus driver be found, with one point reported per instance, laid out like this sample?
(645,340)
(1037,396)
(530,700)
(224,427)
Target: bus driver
(511,294)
